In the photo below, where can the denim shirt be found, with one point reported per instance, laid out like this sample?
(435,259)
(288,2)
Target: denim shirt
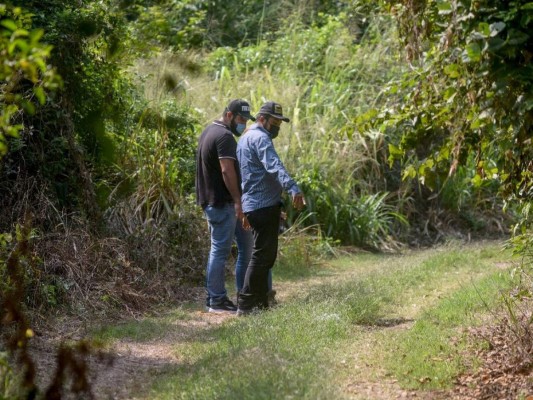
(263,175)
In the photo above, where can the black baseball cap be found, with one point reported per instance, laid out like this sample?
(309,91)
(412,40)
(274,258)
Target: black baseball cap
(273,109)
(240,107)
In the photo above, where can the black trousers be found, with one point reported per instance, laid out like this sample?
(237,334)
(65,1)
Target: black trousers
(265,229)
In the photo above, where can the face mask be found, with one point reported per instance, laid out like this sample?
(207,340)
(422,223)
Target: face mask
(274,131)
(240,129)
(237,129)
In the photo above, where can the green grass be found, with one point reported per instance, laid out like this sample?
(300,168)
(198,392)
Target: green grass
(293,351)
(255,357)
(433,352)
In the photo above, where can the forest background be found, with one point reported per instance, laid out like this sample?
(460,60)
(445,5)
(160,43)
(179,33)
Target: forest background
(410,123)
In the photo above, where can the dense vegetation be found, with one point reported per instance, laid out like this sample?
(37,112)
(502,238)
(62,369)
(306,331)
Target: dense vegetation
(410,121)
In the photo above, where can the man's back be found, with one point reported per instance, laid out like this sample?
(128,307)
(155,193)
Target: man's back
(216,142)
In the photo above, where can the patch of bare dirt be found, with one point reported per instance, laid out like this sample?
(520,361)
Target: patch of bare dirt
(388,389)
(125,369)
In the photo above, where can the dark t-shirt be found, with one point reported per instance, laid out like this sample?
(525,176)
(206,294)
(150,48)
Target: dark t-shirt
(216,142)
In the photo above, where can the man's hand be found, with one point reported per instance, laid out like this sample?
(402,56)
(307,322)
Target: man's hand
(245,223)
(298,201)
(241,217)
(238,211)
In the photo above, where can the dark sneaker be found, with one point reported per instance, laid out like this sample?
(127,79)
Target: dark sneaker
(272,298)
(242,312)
(226,306)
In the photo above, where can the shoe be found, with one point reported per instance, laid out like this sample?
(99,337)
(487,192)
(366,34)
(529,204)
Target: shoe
(272,298)
(241,312)
(226,306)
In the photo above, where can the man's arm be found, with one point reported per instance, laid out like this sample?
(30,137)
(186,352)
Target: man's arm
(273,165)
(229,174)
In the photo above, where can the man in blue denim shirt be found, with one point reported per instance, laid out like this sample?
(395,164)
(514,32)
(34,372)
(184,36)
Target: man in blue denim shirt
(263,179)
(218,193)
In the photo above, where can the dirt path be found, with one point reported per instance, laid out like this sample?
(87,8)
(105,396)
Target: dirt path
(135,364)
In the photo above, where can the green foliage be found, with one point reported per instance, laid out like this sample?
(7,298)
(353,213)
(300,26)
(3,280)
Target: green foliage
(324,81)
(157,160)
(180,24)
(472,94)
(72,127)
(25,75)
(8,380)
(41,291)
(522,240)
(215,23)
(301,250)
(359,219)
(302,48)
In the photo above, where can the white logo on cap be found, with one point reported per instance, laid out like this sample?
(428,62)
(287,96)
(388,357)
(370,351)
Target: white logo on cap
(245,108)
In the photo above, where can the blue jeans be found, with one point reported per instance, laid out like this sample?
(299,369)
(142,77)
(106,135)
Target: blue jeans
(245,244)
(222,222)
(223,227)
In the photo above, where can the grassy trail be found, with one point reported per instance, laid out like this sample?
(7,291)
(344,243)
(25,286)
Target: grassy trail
(360,327)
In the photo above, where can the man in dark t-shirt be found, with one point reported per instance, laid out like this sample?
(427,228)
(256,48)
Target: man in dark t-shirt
(218,192)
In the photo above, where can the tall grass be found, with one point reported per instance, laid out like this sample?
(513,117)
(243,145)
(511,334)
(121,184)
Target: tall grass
(324,81)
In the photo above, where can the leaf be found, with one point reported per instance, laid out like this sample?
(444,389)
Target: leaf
(28,107)
(39,93)
(452,71)
(496,28)
(36,35)
(475,124)
(527,6)
(472,53)
(477,181)
(11,48)
(484,29)
(445,8)
(517,37)
(9,24)
(409,172)
(395,150)
(495,44)
(20,32)
(449,94)
(22,45)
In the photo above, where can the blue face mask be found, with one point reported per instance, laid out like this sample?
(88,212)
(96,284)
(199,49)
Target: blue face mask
(237,129)
(240,129)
